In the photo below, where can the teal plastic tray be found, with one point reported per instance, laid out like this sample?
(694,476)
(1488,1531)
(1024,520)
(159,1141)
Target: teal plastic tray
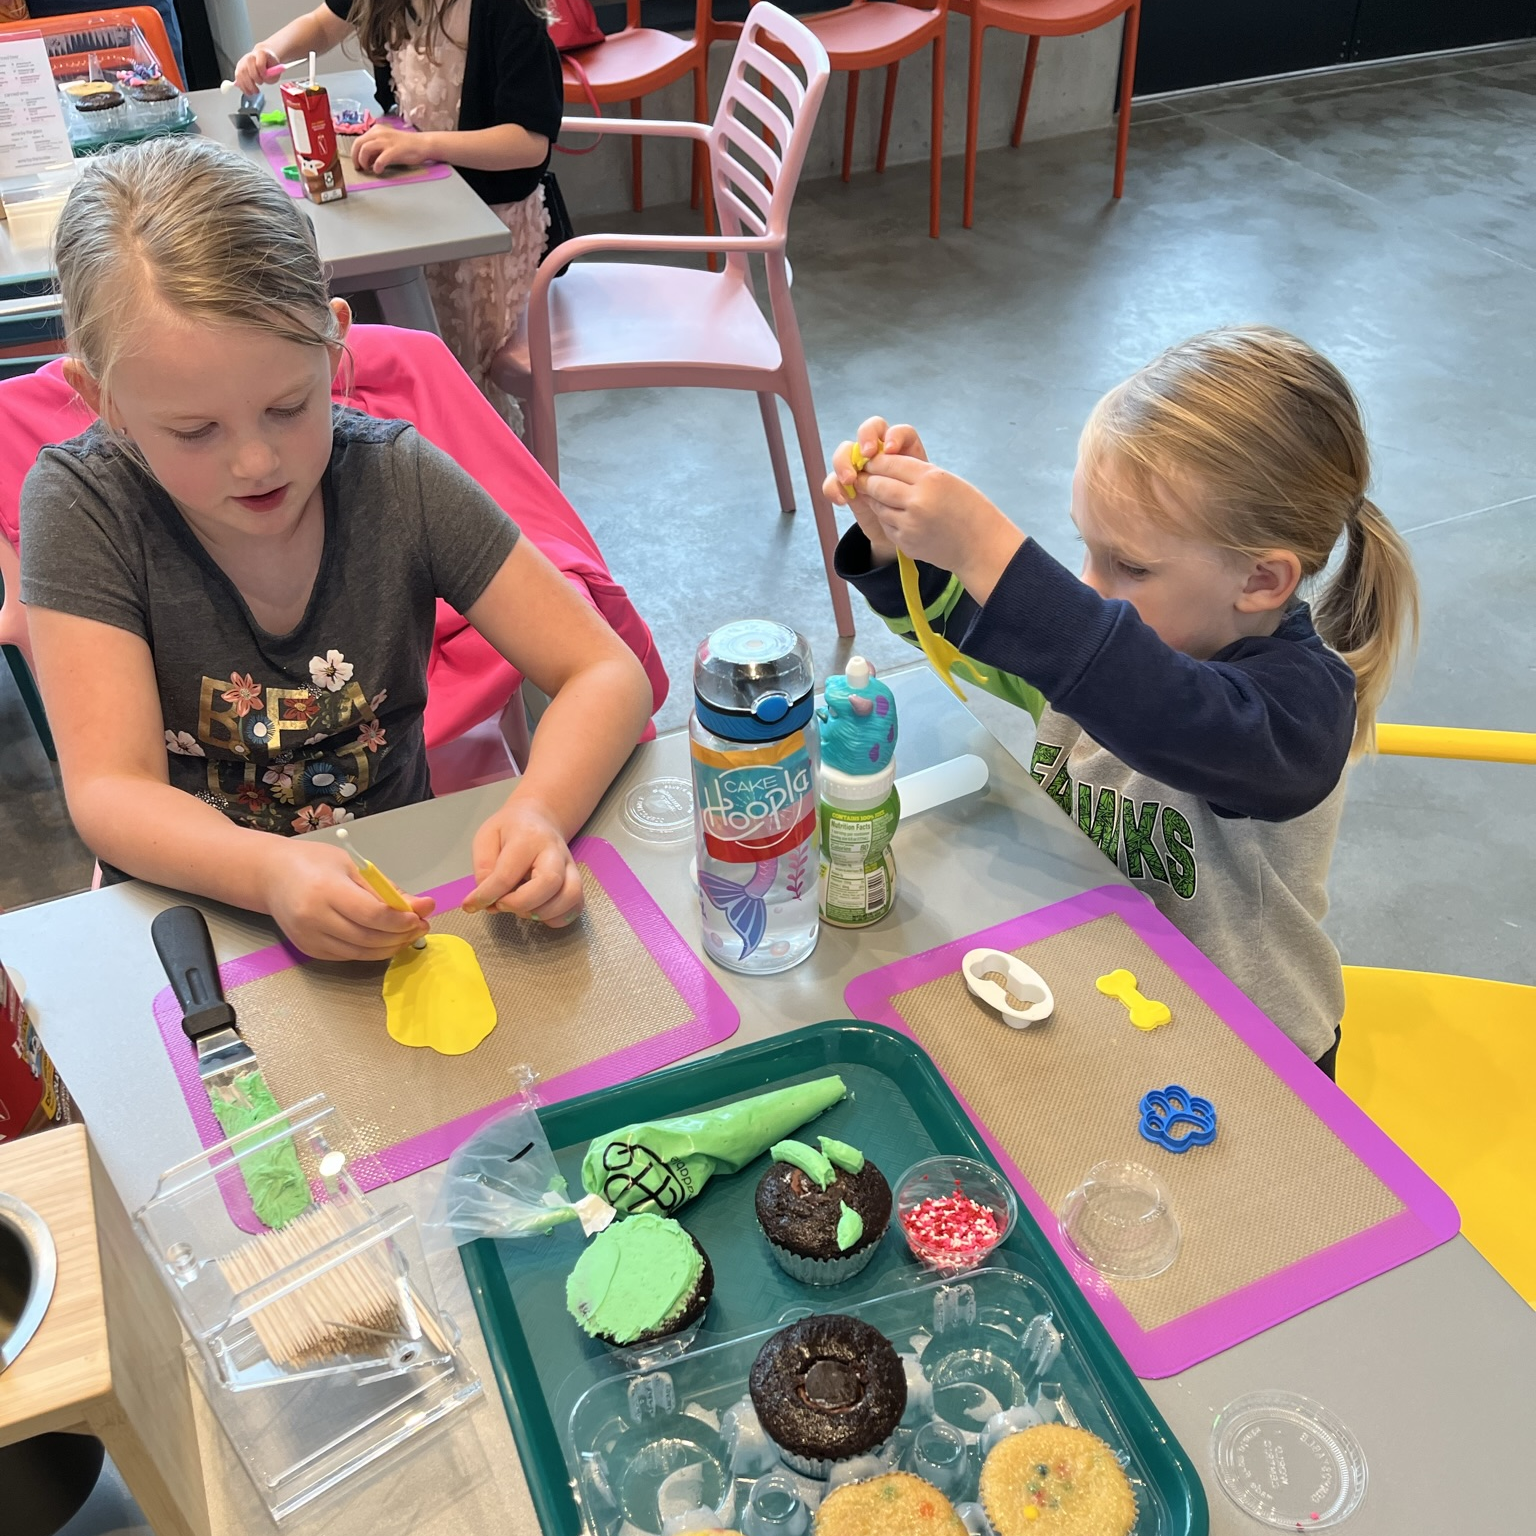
(898,1110)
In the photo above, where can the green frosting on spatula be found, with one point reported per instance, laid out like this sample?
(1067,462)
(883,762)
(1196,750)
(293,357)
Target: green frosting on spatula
(276,1183)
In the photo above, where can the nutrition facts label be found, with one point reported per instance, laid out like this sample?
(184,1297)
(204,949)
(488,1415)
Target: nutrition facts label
(32,133)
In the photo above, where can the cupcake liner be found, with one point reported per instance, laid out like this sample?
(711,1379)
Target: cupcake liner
(885,1453)
(822,1271)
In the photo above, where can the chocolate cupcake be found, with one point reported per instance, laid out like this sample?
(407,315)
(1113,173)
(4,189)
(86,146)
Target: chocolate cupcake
(827,1388)
(641,1281)
(823,1213)
(109,100)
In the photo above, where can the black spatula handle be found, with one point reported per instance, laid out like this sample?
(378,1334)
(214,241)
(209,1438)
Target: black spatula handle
(185,948)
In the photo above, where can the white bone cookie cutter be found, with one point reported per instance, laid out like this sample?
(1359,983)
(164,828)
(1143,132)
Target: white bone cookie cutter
(1004,982)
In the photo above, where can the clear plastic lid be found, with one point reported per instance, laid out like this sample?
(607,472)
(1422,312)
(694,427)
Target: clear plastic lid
(754,667)
(1288,1462)
(660,810)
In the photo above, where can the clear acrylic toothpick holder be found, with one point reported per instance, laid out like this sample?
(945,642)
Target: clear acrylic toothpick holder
(319,1344)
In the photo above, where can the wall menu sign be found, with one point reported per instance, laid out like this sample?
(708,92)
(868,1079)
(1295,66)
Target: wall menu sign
(33,137)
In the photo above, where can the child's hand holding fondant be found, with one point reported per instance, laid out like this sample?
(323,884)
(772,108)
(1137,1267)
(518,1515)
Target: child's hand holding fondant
(852,460)
(318,899)
(935,516)
(382,147)
(523,865)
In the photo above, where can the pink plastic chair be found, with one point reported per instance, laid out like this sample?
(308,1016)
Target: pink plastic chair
(626,325)
(473,692)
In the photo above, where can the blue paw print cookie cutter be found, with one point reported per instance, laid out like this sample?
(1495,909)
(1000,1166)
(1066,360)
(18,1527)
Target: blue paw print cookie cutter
(1176,1119)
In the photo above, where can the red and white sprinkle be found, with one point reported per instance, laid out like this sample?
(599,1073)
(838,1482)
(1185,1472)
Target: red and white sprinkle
(950,1229)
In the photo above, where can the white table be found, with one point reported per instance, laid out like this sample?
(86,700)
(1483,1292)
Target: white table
(1431,1365)
(375,240)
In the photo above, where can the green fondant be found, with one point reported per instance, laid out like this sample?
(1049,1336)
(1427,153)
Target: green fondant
(850,1226)
(848,1158)
(634,1277)
(813,1164)
(276,1183)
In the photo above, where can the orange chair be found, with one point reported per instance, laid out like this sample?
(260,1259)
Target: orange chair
(1036,19)
(629,65)
(879,34)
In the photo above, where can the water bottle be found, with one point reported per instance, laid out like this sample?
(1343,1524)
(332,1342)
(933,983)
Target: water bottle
(752,738)
(859,802)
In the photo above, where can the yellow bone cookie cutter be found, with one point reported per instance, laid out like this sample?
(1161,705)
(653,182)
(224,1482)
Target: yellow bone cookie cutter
(943,655)
(1144,1012)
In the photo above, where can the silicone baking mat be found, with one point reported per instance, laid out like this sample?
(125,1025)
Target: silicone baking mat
(1300,1196)
(278,148)
(613,996)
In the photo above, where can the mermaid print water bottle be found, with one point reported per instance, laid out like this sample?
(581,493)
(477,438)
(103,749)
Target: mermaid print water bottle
(752,738)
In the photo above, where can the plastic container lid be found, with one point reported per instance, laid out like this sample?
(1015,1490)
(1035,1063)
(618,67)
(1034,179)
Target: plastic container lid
(660,810)
(1120,1221)
(755,667)
(1288,1462)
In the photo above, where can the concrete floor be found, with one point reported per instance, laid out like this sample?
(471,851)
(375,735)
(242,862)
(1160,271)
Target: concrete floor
(1387,214)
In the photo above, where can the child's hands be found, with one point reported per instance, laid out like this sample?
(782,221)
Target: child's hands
(842,485)
(904,502)
(382,147)
(522,865)
(256,69)
(320,902)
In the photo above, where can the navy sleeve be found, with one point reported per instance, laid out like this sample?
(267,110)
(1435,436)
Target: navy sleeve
(1262,729)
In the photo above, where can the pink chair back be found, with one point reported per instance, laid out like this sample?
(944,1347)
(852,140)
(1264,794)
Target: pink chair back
(762,127)
(412,376)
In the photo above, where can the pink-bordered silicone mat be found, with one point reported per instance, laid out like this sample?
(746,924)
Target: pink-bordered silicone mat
(606,1000)
(1300,1197)
(278,148)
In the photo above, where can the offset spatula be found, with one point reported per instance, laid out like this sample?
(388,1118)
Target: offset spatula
(227,1066)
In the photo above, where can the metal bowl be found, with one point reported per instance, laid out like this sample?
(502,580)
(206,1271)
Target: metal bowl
(28,1271)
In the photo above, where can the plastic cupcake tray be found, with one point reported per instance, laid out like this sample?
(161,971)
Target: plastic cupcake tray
(608,1450)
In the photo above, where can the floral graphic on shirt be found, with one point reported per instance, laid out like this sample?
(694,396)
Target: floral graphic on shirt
(302,708)
(252,796)
(286,756)
(313,816)
(331,671)
(243,693)
(282,782)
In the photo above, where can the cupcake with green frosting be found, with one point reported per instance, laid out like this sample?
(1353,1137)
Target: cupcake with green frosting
(823,1209)
(639,1283)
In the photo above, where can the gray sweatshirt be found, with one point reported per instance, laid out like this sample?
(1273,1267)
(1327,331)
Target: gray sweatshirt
(1215,785)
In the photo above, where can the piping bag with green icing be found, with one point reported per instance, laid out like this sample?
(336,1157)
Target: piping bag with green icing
(659,1164)
(503,1182)
(236,1090)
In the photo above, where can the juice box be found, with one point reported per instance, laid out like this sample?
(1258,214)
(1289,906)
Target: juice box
(314,141)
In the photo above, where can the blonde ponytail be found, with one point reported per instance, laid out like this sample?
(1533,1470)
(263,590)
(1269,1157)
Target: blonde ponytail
(1265,435)
(1366,609)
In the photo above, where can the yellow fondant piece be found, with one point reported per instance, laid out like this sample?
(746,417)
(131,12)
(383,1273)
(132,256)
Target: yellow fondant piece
(1144,1012)
(437,997)
(943,655)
